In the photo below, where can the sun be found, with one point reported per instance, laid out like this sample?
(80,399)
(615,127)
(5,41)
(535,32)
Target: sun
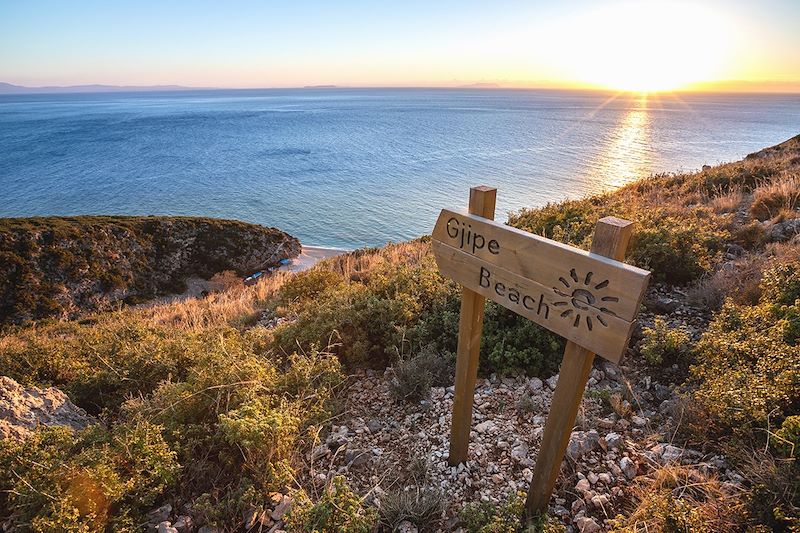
(646,47)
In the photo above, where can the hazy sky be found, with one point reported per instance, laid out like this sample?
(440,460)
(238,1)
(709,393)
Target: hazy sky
(404,43)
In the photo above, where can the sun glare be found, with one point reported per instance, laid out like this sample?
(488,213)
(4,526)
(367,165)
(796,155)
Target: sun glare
(647,47)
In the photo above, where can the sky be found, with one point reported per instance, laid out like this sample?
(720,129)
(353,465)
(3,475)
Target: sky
(624,45)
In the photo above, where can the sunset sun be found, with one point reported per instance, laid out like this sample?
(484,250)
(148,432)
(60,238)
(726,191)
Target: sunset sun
(646,48)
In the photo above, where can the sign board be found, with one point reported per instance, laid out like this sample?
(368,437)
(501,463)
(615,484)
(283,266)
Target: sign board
(586,298)
(589,298)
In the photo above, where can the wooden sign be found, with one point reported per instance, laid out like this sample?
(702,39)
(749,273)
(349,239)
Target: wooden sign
(590,298)
(586,298)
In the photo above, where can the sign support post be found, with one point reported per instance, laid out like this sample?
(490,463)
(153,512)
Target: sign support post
(589,298)
(482,202)
(611,239)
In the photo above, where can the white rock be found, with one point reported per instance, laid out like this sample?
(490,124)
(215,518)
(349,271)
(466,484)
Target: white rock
(639,421)
(582,486)
(535,384)
(628,467)
(520,450)
(587,525)
(166,527)
(485,427)
(614,440)
(552,381)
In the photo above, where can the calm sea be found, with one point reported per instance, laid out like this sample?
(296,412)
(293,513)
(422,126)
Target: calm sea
(355,167)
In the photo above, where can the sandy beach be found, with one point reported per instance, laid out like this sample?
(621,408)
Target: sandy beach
(310,256)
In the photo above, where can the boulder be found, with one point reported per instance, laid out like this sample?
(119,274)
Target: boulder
(23,409)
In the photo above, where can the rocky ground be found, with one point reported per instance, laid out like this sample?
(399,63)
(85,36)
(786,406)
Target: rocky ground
(623,431)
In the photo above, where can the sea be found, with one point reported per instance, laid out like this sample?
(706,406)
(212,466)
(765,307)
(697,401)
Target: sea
(347,168)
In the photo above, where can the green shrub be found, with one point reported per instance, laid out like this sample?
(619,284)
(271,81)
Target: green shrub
(486,517)
(513,344)
(97,480)
(748,361)
(787,439)
(662,344)
(338,510)
(414,376)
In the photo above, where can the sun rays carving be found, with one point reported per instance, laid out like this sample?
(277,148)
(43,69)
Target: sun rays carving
(584,300)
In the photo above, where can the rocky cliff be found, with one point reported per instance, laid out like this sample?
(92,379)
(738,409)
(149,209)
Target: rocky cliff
(61,267)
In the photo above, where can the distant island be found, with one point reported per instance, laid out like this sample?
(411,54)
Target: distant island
(8,88)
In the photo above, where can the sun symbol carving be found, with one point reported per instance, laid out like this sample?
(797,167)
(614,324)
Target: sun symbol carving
(582,302)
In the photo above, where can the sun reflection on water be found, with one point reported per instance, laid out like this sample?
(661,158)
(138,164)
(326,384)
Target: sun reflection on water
(626,153)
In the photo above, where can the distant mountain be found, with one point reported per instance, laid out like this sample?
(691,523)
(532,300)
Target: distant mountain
(8,88)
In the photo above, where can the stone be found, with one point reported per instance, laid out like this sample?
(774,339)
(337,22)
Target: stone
(162,514)
(184,524)
(605,478)
(519,451)
(582,486)
(587,525)
(671,453)
(592,477)
(662,305)
(485,427)
(209,529)
(784,231)
(535,384)
(166,527)
(614,441)
(406,527)
(628,467)
(581,442)
(23,409)
(639,421)
(355,458)
(552,381)
(283,507)
(374,426)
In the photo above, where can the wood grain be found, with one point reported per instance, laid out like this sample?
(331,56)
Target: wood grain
(610,239)
(482,201)
(561,268)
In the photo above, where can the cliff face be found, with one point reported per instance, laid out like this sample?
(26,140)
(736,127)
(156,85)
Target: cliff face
(60,267)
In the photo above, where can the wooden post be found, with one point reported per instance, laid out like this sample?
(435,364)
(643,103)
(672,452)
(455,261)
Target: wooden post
(611,239)
(470,326)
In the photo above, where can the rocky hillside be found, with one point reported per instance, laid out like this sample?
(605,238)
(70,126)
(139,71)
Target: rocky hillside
(321,401)
(60,267)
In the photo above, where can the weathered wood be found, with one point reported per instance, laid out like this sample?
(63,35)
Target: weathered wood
(583,296)
(611,240)
(552,264)
(470,326)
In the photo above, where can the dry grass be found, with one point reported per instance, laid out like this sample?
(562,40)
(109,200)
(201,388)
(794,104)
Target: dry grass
(681,498)
(727,202)
(234,305)
(778,195)
(357,265)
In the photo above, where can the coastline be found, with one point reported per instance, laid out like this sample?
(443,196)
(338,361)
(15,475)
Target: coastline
(310,256)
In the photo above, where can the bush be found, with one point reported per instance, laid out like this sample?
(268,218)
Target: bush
(414,376)
(423,508)
(513,344)
(787,439)
(662,344)
(748,361)
(339,510)
(485,517)
(97,480)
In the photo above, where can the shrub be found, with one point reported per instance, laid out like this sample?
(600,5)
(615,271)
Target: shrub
(512,344)
(339,510)
(423,508)
(787,439)
(662,344)
(96,480)
(778,195)
(748,359)
(681,498)
(414,376)
(485,517)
